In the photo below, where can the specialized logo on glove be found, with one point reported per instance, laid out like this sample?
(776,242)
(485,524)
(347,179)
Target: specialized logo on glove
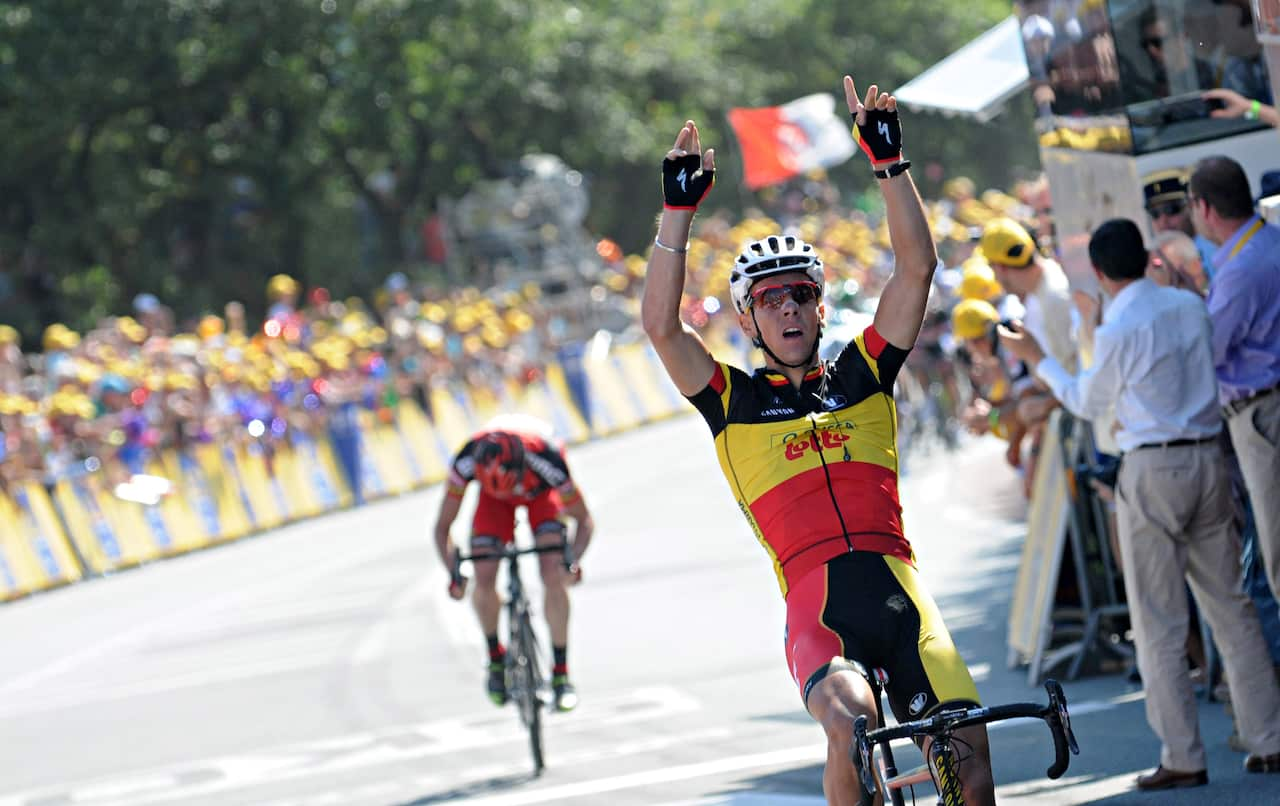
(683,186)
(880,137)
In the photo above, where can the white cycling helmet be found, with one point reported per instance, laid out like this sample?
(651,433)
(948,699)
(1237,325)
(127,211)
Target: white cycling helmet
(776,254)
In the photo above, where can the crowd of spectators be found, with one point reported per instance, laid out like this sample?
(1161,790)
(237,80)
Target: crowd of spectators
(108,399)
(1174,362)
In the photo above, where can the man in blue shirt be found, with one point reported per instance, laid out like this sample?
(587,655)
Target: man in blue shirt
(1244,306)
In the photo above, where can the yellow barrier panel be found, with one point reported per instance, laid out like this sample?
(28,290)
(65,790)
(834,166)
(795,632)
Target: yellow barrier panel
(223,482)
(42,520)
(643,371)
(129,531)
(324,475)
(92,536)
(19,568)
(255,478)
(297,487)
(384,456)
(130,522)
(34,552)
(421,440)
(613,408)
(451,419)
(14,577)
(552,396)
(174,516)
(484,403)
(193,489)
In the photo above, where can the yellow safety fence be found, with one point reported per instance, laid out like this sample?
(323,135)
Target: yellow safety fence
(80,527)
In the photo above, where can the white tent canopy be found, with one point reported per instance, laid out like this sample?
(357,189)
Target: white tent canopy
(976,80)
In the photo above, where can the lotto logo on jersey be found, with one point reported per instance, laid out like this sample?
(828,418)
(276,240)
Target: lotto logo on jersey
(796,448)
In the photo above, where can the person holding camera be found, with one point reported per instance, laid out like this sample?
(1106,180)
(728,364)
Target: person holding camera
(1153,364)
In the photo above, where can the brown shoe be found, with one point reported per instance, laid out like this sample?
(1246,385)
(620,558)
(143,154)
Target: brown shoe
(1253,763)
(1171,779)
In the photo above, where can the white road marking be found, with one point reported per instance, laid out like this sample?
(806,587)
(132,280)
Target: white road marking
(139,632)
(223,672)
(127,788)
(752,799)
(376,748)
(558,794)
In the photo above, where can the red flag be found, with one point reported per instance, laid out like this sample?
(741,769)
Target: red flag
(779,142)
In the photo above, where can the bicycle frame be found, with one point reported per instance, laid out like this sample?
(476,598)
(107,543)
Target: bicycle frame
(523,675)
(943,766)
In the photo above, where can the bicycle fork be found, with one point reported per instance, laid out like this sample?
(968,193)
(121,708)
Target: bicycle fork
(943,759)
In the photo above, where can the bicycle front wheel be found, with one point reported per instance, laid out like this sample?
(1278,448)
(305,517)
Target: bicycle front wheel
(526,678)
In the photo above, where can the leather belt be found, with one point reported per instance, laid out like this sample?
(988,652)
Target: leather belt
(1236,406)
(1176,443)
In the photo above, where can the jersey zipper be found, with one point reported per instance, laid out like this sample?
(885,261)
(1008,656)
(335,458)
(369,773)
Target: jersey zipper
(826,471)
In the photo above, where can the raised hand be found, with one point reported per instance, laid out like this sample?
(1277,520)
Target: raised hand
(687,173)
(875,123)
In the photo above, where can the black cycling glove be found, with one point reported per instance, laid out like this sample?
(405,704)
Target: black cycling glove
(683,187)
(880,137)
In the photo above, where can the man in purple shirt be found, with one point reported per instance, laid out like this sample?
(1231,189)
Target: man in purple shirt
(1244,305)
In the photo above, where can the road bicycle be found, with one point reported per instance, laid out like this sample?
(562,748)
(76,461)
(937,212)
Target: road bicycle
(526,684)
(878,772)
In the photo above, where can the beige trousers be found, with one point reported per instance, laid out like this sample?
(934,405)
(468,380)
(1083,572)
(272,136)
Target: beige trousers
(1174,513)
(1255,434)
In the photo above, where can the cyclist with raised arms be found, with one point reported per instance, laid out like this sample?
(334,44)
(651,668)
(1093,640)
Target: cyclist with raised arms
(809,450)
(518,463)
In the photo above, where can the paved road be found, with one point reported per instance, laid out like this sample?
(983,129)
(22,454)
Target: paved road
(322,663)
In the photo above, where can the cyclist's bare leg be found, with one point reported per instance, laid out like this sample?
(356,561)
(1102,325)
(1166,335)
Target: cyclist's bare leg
(974,766)
(484,597)
(835,703)
(554,585)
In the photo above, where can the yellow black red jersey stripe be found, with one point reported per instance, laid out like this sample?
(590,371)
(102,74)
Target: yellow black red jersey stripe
(814,469)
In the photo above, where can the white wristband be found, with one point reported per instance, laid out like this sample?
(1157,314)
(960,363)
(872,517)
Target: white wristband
(670,249)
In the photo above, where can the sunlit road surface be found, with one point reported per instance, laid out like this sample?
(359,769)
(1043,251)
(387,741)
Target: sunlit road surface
(323,663)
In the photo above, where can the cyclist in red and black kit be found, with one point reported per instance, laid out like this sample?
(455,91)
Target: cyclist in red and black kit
(518,463)
(809,449)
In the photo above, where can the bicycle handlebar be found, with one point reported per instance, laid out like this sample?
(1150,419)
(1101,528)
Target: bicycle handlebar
(1060,758)
(1054,715)
(509,551)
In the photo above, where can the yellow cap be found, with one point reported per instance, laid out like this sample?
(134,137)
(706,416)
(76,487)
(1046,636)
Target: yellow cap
(972,319)
(1007,242)
(60,337)
(131,329)
(8,335)
(210,326)
(961,187)
(979,282)
(281,285)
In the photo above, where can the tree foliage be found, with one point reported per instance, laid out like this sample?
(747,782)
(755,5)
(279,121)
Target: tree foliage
(190,148)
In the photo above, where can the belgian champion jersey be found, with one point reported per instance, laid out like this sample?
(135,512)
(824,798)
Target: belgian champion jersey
(814,469)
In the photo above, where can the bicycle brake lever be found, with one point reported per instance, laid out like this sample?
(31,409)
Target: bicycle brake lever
(456,577)
(860,754)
